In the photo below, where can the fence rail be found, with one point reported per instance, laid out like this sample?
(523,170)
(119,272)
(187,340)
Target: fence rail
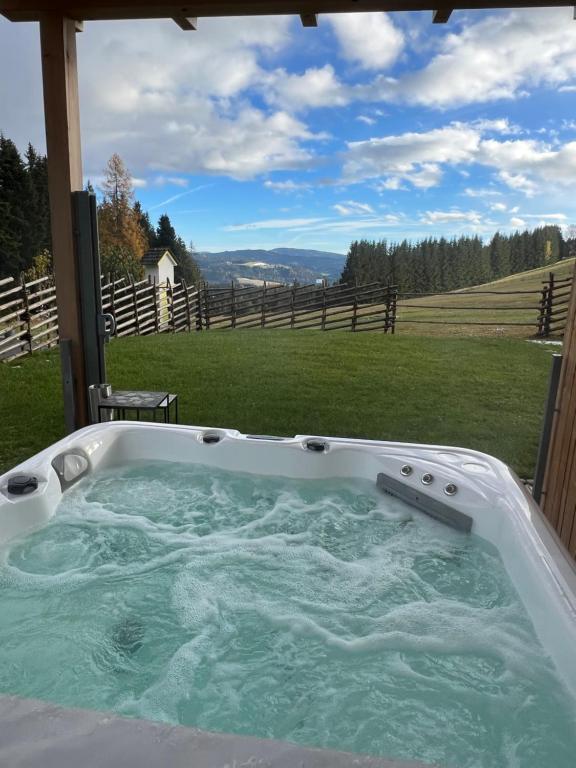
(28,315)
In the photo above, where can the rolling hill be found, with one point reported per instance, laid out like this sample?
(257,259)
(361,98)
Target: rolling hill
(280,265)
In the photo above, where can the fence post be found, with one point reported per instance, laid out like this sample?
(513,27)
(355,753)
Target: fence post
(155,304)
(187,299)
(206,307)
(199,308)
(26,314)
(233,306)
(263,314)
(135,305)
(546,307)
(387,309)
(323,325)
(355,306)
(393,308)
(170,296)
(293,306)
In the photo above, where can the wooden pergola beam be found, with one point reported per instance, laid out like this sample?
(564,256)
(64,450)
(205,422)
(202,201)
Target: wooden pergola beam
(188,24)
(32,10)
(441,16)
(309,19)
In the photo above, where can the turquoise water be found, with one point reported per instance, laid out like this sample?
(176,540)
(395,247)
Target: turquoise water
(323,613)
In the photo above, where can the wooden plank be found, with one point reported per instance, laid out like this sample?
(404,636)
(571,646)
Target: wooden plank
(441,16)
(31,10)
(559,487)
(62,119)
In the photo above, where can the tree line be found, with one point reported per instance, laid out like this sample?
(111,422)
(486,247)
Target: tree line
(441,264)
(125,229)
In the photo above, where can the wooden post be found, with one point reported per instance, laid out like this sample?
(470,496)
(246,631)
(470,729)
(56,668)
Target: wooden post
(233,307)
(549,305)
(187,299)
(155,299)
(394,305)
(293,307)
(62,119)
(206,307)
(199,308)
(170,299)
(323,324)
(355,307)
(135,305)
(26,315)
(263,314)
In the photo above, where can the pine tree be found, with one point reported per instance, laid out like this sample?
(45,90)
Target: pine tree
(39,208)
(15,234)
(145,225)
(186,266)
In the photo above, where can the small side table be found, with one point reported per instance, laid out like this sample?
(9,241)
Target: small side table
(123,400)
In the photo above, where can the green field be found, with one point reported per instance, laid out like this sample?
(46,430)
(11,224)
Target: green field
(521,308)
(486,394)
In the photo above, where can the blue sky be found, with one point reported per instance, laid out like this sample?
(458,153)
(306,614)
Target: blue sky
(258,133)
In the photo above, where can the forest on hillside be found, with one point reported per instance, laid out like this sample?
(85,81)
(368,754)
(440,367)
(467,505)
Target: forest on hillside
(439,264)
(125,230)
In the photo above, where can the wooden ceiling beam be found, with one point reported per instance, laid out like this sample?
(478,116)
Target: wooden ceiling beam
(441,16)
(33,10)
(309,19)
(187,23)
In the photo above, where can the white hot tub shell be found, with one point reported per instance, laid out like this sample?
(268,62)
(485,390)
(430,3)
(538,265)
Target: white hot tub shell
(466,482)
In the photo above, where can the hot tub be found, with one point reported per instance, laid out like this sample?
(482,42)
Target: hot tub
(399,600)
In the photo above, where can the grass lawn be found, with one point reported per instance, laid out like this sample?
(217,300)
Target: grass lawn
(486,394)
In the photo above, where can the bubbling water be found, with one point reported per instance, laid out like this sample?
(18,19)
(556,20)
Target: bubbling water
(320,612)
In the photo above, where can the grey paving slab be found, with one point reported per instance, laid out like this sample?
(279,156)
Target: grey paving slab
(35,734)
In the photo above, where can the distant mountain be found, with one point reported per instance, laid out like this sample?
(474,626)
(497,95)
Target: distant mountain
(280,265)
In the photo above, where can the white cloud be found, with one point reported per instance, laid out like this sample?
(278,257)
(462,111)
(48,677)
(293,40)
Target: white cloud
(351,207)
(415,157)
(524,165)
(517,222)
(499,125)
(368,39)
(286,186)
(174,181)
(391,183)
(444,217)
(316,87)
(481,192)
(498,207)
(169,103)
(366,119)
(567,89)
(498,57)
(518,182)
(546,216)
(272,224)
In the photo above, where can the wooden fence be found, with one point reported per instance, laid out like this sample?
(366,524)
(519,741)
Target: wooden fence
(539,312)
(554,304)
(559,488)
(28,317)
(28,321)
